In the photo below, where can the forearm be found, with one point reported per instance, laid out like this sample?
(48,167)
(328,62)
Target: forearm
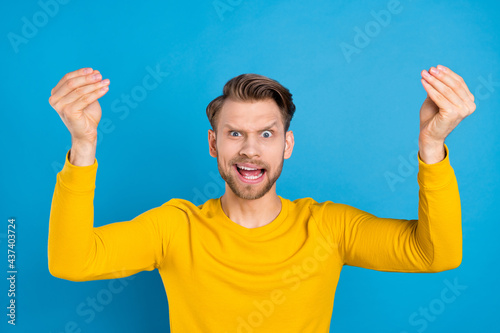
(79,252)
(439,230)
(430,244)
(71,235)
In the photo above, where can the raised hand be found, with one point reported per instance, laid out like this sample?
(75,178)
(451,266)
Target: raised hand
(448,102)
(75,100)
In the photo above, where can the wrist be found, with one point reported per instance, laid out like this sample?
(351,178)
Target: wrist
(82,153)
(431,152)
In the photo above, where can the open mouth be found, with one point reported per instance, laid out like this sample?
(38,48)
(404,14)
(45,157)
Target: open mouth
(250,174)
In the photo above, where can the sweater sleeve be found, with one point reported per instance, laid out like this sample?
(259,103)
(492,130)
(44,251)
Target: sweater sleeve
(79,252)
(433,243)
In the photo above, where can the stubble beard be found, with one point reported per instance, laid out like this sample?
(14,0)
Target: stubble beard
(249,191)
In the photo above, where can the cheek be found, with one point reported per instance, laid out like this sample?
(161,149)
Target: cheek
(226,159)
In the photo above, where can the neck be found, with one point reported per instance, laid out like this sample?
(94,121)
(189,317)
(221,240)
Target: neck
(251,213)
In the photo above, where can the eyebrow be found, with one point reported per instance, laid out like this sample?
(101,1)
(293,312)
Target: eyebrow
(268,127)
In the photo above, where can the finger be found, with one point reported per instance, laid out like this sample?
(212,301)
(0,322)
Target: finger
(457,77)
(435,95)
(74,83)
(456,85)
(72,75)
(80,91)
(443,89)
(78,72)
(88,99)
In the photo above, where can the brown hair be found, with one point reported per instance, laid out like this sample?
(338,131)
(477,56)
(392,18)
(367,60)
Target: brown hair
(253,87)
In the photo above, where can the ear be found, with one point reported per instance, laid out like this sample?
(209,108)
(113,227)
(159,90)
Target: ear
(212,144)
(289,142)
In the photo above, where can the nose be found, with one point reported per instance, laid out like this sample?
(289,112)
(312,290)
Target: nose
(250,147)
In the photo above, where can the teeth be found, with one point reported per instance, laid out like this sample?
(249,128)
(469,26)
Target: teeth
(245,168)
(254,177)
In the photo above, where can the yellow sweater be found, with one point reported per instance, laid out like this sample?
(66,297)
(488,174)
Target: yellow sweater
(221,277)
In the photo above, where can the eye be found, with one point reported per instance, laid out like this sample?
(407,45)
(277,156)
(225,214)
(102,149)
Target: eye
(231,133)
(269,135)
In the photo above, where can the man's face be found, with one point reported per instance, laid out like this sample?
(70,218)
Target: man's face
(250,133)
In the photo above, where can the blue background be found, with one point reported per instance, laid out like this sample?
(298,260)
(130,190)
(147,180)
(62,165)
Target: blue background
(357,122)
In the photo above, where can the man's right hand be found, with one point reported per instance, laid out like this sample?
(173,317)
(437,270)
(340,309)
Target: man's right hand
(75,100)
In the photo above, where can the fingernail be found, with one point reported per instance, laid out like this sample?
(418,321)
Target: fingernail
(96,77)
(104,88)
(434,71)
(441,68)
(105,81)
(87,71)
(426,74)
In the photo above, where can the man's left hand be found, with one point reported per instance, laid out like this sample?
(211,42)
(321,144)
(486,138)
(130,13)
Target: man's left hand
(448,102)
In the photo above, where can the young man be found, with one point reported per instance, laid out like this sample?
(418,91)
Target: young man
(252,261)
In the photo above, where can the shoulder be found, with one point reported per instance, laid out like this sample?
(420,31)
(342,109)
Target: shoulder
(326,214)
(316,208)
(186,207)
